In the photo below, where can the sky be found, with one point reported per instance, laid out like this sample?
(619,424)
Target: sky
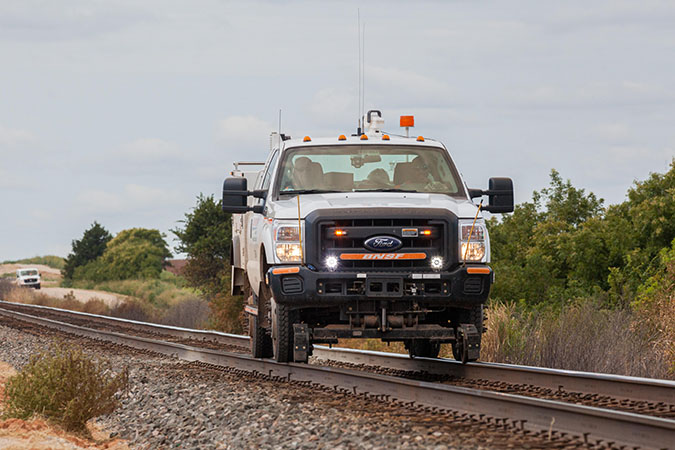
(123,112)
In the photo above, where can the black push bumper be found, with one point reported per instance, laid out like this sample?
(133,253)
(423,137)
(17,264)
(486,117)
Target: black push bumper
(299,286)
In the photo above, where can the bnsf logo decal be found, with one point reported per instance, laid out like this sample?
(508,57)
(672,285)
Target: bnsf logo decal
(382,256)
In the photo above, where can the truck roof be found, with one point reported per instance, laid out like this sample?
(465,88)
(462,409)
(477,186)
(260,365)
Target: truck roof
(372,139)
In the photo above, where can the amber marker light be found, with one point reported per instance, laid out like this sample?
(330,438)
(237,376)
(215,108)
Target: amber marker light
(364,137)
(342,138)
(407,121)
(285,270)
(385,137)
(478,270)
(426,232)
(340,233)
(420,139)
(307,139)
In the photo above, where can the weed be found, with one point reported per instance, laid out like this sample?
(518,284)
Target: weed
(65,385)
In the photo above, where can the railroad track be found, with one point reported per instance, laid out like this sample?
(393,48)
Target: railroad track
(562,422)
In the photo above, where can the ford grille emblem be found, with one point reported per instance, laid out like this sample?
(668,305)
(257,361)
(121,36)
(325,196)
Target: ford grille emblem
(382,243)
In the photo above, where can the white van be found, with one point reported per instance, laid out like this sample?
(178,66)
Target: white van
(28,277)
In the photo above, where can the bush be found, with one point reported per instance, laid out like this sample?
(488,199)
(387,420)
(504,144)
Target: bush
(66,386)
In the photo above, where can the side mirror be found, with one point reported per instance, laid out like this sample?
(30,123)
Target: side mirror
(235,195)
(500,195)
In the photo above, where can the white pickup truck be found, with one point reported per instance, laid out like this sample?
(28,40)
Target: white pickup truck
(364,236)
(28,277)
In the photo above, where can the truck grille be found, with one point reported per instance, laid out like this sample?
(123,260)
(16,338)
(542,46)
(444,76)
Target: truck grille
(354,232)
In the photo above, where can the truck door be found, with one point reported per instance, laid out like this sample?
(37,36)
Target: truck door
(255,227)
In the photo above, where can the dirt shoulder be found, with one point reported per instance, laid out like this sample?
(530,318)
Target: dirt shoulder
(37,434)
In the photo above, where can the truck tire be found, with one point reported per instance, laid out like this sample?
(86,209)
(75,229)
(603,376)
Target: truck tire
(424,348)
(261,342)
(282,332)
(473,315)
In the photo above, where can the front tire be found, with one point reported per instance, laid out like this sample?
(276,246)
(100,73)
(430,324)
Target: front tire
(282,332)
(261,342)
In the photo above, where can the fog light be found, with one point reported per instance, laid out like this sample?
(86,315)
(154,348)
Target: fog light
(331,263)
(436,262)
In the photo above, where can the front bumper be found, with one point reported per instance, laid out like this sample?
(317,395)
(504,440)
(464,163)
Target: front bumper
(299,286)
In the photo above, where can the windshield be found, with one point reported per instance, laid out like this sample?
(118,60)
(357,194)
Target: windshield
(368,168)
(29,273)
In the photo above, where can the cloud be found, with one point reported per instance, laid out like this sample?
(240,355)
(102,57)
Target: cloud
(407,86)
(151,150)
(244,132)
(34,20)
(600,94)
(11,138)
(616,133)
(133,198)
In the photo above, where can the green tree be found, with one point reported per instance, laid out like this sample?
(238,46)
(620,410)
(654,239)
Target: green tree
(85,250)
(533,247)
(206,238)
(136,253)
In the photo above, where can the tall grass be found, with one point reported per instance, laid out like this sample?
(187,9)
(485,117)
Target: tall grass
(583,336)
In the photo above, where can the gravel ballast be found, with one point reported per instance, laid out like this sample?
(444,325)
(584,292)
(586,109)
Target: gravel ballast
(173,404)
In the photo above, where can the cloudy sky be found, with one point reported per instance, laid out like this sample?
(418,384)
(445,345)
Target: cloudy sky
(124,111)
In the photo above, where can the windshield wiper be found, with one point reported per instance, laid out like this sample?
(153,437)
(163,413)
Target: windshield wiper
(310,191)
(384,190)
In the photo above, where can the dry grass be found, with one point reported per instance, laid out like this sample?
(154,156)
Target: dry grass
(584,336)
(189,313)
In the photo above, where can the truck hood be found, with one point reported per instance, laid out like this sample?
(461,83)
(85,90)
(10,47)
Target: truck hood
(288,209)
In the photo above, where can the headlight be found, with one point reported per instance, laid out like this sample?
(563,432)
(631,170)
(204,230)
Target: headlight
(289,252)
(287,241)
(472,248)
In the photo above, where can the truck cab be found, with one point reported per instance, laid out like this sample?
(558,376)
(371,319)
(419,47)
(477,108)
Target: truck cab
(364,236)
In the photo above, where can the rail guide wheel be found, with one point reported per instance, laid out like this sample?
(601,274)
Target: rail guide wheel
(467,345)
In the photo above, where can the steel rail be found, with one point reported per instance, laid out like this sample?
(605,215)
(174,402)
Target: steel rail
(594,424)
(615,386)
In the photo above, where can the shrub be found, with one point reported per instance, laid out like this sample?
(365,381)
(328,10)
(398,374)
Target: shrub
(66,386)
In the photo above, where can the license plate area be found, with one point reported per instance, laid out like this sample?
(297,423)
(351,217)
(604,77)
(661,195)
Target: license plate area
(384,287)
